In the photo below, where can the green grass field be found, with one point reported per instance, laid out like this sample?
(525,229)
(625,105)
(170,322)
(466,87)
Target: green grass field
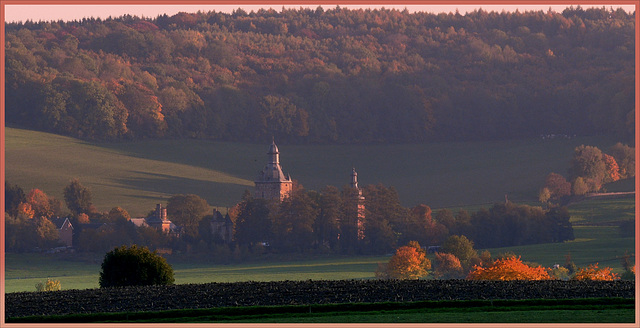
(603,212)
(24,271)
(604,310)
(137,175)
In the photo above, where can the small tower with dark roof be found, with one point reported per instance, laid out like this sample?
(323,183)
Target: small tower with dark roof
(272,183)
(221,227)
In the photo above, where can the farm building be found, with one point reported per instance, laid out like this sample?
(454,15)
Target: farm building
(65,230)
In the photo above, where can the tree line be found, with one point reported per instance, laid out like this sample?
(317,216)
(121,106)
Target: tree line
(590,169)
(308,221)
(326,76)
(458,259)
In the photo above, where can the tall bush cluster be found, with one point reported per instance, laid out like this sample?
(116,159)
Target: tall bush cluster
(134,266)
(590,169)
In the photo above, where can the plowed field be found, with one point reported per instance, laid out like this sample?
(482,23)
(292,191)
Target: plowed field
(213,295)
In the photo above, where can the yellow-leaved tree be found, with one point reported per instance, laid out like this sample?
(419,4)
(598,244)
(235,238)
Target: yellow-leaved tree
(409,262)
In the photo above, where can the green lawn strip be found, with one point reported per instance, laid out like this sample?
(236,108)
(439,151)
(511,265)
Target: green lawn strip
(543,316)
(603,211)
(593,244)
(333,268)
(23,271)
(425,311)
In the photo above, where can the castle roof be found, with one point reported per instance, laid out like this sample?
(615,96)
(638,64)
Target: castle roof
(273,148)
(272,171)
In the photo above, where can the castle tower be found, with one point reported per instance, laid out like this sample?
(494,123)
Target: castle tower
(354,180)
(159,219)
(358,203)
(271,183)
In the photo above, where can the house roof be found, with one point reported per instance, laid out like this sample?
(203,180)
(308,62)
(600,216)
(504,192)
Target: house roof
(139,222)
(59,222)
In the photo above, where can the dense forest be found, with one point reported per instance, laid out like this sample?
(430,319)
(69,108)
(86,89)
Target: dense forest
(326,75)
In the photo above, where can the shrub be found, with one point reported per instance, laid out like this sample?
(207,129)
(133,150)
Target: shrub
(462,248)
(560,273)
(629,269)
(509,268)
(134,266)
(629,274)
(48,286)
(593,273)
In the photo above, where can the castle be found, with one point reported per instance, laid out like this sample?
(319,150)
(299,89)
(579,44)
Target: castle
(272,184)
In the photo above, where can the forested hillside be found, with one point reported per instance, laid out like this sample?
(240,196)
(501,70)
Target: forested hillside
(327,76)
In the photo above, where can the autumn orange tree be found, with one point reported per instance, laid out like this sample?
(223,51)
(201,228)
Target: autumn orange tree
(39,202)
(26,210)
(409,262)
(612,170)
(447,266)
(593,273)
(508,268)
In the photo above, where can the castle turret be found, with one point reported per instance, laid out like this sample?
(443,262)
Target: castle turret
(354,178)
(357,208)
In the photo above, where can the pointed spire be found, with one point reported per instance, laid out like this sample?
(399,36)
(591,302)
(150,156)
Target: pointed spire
(354,178)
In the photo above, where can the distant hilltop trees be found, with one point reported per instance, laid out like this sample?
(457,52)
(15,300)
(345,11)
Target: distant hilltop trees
(336,75)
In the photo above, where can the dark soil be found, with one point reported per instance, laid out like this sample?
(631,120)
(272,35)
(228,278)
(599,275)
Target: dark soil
(196,296)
